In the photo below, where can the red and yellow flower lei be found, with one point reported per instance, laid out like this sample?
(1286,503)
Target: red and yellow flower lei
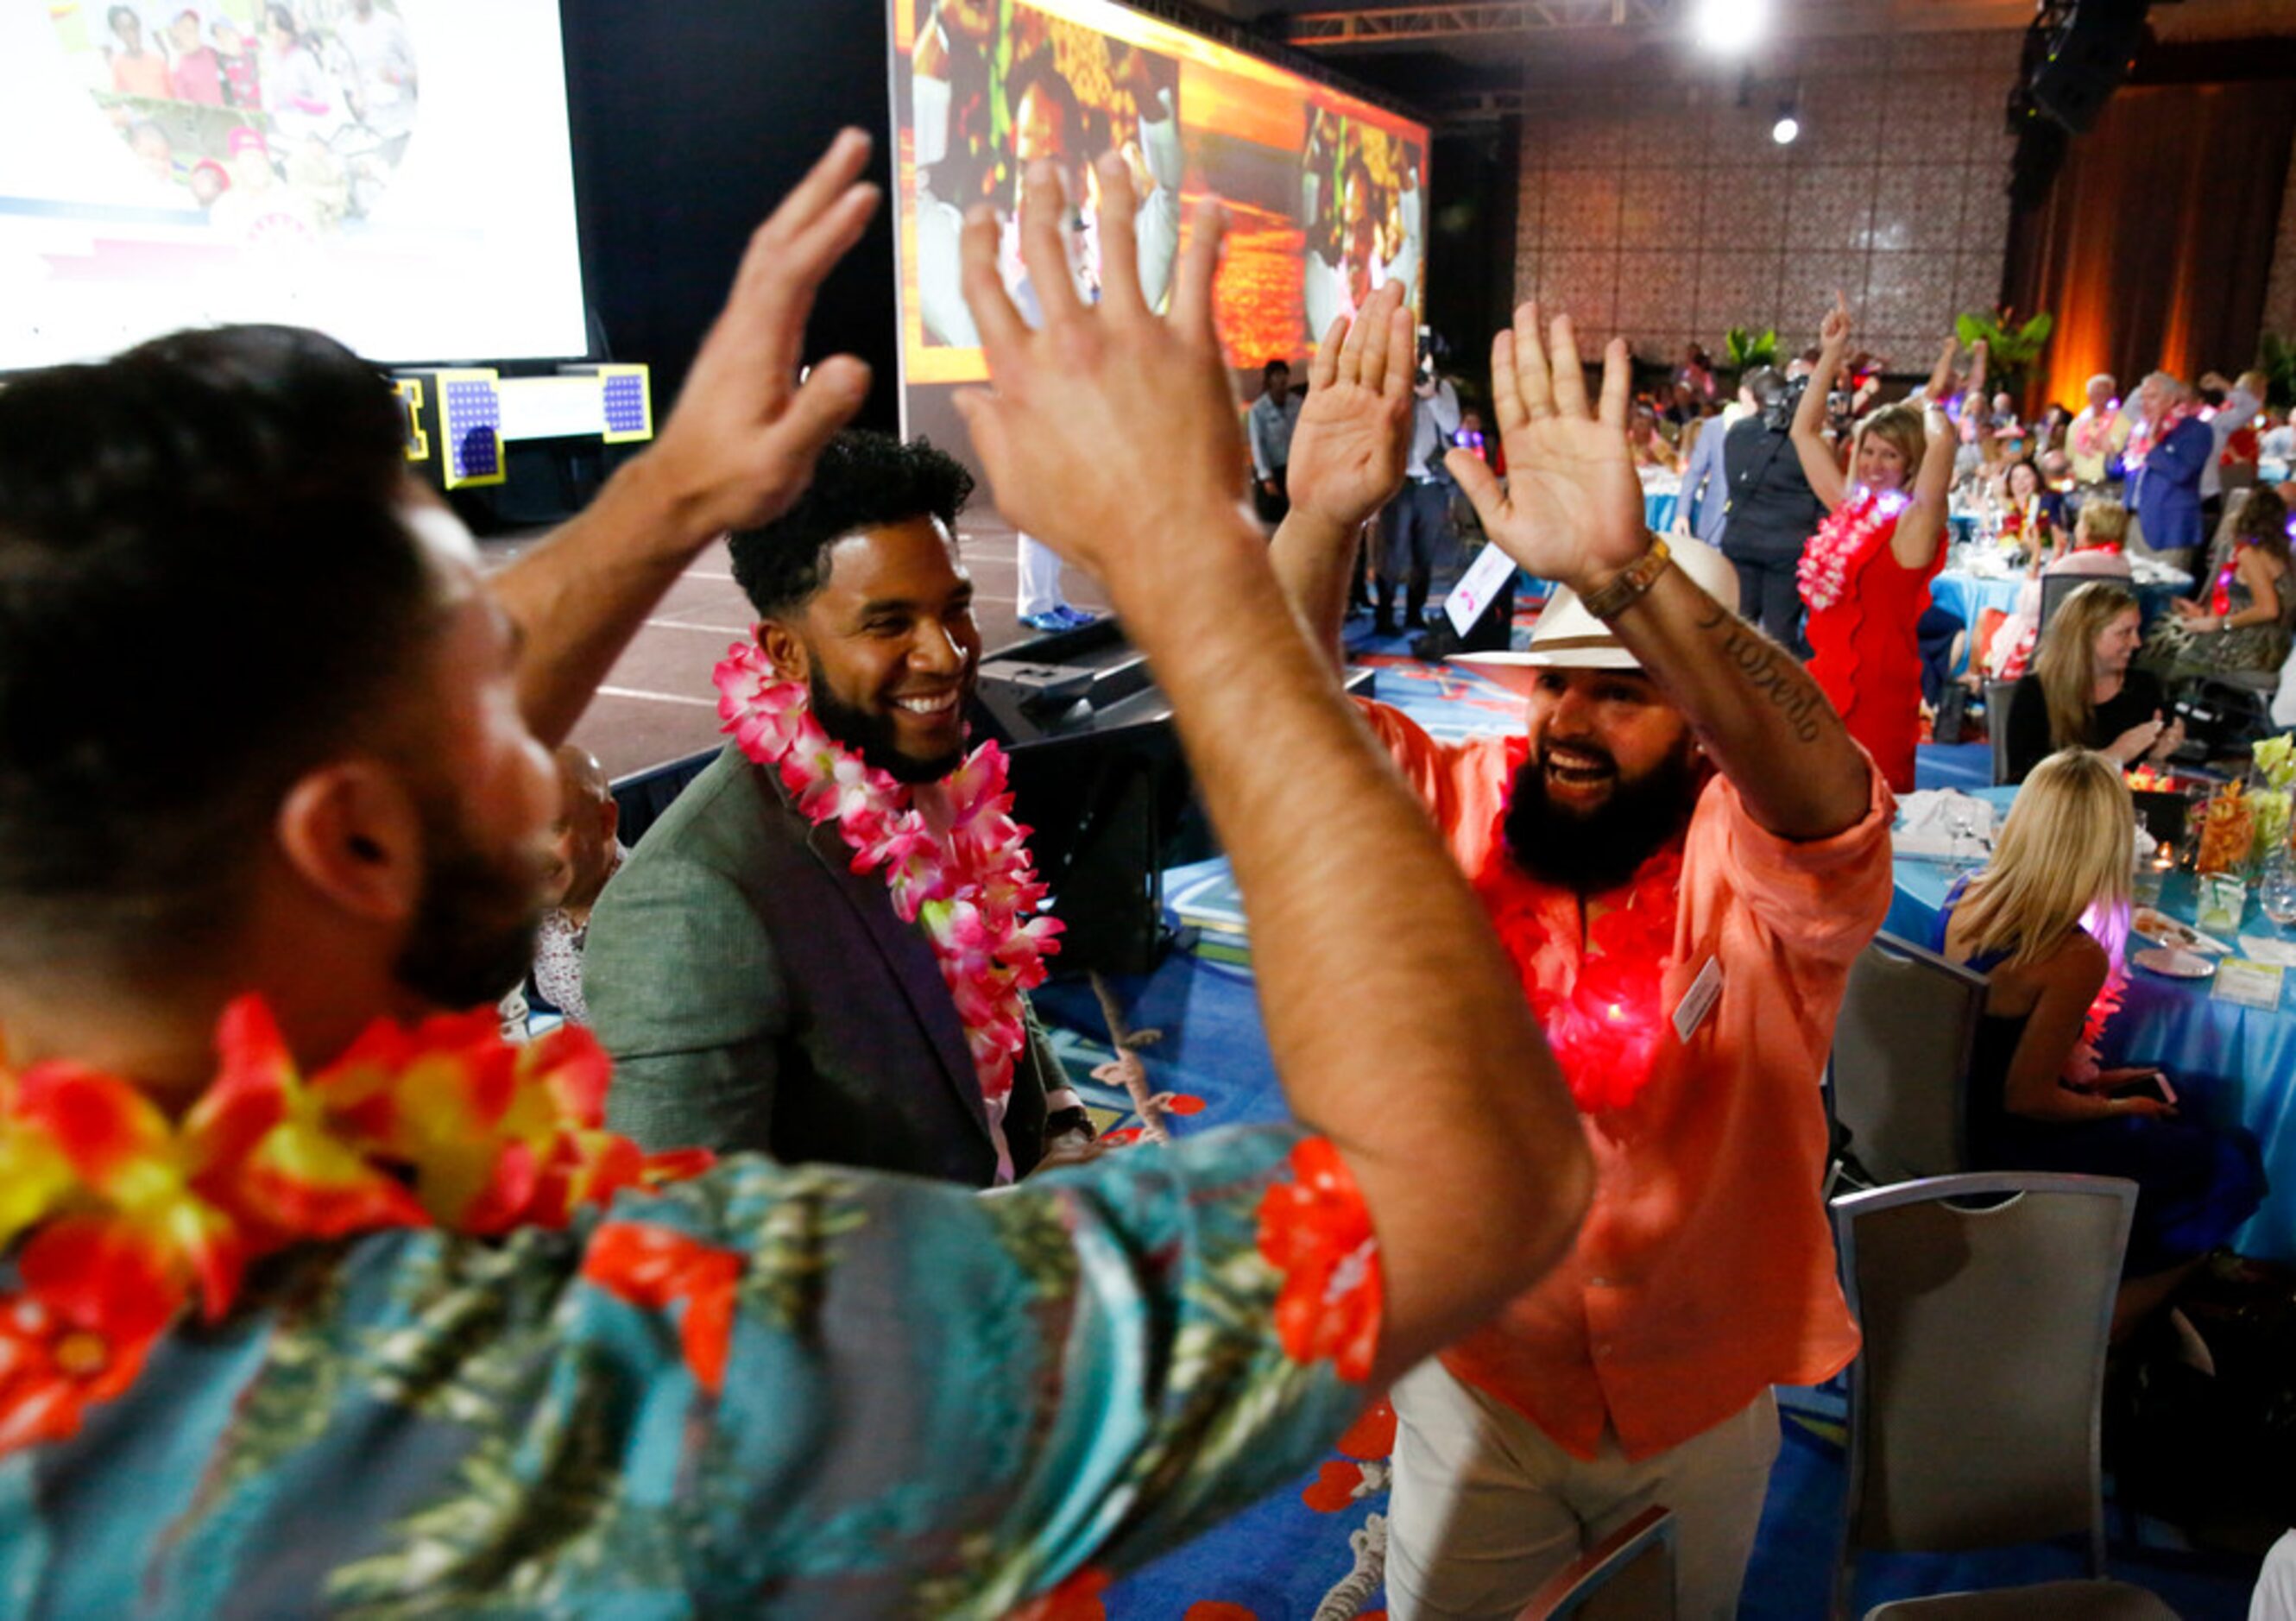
(127,1217)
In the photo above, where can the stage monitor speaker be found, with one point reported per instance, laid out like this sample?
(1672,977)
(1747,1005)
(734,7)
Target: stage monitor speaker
(2088,56)
(1097,775)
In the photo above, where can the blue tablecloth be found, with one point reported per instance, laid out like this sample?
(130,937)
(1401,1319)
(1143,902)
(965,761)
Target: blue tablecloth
(1658,512)
(1965,595)
(2177,1025)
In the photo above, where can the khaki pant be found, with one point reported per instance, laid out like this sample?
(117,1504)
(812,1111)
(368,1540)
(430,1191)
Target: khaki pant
(1484,1507)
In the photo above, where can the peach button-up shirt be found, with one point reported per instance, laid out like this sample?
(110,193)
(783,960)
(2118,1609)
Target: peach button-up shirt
(1704,1271)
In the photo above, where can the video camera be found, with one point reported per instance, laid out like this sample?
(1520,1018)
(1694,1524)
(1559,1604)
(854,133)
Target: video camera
(1778,415)
(1432,349)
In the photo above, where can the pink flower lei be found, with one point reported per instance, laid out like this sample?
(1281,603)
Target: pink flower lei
(964,871)
(1843,542)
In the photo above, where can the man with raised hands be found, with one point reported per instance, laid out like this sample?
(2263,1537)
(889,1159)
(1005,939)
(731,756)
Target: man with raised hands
(303,1310)
(1682,852)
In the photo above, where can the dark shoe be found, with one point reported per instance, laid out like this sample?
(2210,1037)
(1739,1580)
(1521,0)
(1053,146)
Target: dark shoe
(1384,626)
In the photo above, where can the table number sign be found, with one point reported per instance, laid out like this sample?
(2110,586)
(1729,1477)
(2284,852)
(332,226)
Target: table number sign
(2252,984)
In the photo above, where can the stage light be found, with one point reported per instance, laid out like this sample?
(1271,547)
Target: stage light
(1788,126)
(1730,27)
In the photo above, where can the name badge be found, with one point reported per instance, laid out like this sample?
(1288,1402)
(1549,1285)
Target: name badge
(1699,1000)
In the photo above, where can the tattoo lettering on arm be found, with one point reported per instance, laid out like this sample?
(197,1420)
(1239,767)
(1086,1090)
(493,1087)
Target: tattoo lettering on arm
(1776,675)
(1770,670)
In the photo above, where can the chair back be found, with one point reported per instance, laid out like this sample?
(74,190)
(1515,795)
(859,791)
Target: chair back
(1985,1302)
(1901,1056)
(1996,726)
(1626,1576)
(2056,587)
(2043,1601)
(644,795)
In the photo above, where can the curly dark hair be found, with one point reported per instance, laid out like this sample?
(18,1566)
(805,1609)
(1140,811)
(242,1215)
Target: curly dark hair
(864,480)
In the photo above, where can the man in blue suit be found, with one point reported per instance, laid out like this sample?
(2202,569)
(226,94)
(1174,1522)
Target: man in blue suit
(2166,457)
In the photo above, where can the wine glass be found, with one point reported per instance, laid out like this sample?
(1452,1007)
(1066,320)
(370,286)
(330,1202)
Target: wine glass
(1961,820)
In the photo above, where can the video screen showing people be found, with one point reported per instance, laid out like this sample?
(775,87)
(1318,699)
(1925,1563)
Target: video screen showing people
(396,173)
(1325,192)
(275,117)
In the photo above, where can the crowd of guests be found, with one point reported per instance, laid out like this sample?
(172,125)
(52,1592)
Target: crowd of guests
(2187,477)
(802,1285)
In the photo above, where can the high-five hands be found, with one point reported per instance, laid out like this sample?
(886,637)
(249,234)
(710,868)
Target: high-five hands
(1353,435)
(1572,510)
(741,444)
(1112,434)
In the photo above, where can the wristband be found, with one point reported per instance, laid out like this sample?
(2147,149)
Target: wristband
(1625,587)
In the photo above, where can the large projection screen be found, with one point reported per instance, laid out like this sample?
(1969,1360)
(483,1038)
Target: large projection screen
(397,173)
(1326,194)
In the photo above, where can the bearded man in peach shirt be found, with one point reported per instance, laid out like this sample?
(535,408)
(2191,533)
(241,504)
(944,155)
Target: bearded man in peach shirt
(1683,853)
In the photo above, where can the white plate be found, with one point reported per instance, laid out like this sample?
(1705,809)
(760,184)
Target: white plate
(2175,964)
(2164,930)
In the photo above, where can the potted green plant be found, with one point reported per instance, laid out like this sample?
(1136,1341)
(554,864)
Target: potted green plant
(2010,350)
(2275,356)
(1744,350)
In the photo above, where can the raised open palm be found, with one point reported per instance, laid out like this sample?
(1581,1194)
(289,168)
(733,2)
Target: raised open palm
(1350,444)
(1572,509)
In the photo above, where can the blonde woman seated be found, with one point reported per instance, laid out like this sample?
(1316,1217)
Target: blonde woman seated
(2098,533)
(2044,923)
(2082,692)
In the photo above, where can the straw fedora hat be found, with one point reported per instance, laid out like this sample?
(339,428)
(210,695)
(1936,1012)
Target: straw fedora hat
(1567,637)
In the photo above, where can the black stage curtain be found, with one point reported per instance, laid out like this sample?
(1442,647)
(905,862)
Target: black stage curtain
(2156,240)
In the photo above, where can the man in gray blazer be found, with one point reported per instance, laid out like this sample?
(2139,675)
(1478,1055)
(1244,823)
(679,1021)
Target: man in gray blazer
(757,993)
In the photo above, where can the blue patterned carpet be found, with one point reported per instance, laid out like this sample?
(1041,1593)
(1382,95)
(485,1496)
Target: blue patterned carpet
(1300,1555)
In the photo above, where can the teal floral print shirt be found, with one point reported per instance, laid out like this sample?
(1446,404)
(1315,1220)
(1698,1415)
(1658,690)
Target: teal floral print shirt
(767,1391)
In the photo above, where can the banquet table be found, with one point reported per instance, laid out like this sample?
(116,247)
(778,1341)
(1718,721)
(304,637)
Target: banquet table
(1965,595)
(2179,1025)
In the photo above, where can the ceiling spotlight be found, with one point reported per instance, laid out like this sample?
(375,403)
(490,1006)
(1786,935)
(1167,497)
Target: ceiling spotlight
(1730,27)
(1788,126)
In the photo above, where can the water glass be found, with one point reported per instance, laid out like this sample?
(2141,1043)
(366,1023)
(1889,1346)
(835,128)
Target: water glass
(2277,891)
(2224,899)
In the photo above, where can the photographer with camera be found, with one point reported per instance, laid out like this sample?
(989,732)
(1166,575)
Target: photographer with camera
(1417,519)
(1771,507)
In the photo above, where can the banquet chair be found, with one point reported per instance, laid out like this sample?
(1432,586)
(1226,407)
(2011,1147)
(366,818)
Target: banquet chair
(2056,587)
(1985,1302)
(2045,1602)
(1899,1069)
(644,795)
(1629,1576)
(1996,726)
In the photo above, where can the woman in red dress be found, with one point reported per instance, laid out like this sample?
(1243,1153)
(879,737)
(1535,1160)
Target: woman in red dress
(1865,574)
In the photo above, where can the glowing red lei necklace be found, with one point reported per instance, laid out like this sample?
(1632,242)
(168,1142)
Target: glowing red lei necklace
(132,1215)
(968,879)
(1602,1007)
(1843,541)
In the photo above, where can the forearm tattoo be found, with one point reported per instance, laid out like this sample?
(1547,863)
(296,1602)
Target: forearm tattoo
(1770,671)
